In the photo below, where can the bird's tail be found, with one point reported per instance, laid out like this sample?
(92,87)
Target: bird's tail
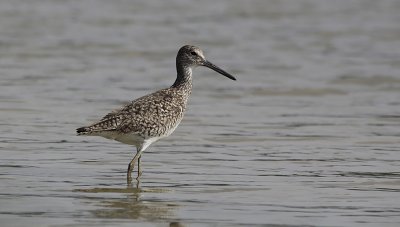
(82,131)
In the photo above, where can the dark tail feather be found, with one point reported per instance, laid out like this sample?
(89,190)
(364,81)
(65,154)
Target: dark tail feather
(82,130)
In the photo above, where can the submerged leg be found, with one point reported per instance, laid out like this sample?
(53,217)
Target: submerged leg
(131,165)
(139,173)
(135,159)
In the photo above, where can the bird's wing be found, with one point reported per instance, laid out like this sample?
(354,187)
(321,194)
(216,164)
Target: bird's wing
(146,116)
(151,115)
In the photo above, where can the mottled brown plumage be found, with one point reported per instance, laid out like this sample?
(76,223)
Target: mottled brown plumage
(154,116)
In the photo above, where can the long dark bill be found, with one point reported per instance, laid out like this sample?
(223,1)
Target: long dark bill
(218,69)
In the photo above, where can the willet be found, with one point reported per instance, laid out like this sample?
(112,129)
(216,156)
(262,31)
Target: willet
(147,119)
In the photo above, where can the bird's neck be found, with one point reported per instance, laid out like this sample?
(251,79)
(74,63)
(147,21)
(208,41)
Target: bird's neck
(183,78)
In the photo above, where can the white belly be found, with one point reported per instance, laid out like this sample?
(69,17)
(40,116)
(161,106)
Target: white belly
(134,139)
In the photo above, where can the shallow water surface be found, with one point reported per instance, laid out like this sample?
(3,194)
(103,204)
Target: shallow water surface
(309,134)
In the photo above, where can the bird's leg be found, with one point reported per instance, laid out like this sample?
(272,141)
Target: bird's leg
(132,165)
(128,175)
(139,168)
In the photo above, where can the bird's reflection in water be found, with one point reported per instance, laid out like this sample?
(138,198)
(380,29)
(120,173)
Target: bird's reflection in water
(126,203)
(176,224)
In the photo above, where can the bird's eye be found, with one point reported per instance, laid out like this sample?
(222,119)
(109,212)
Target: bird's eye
(193,53)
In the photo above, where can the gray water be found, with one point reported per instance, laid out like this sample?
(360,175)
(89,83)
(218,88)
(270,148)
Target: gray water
(309,134)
